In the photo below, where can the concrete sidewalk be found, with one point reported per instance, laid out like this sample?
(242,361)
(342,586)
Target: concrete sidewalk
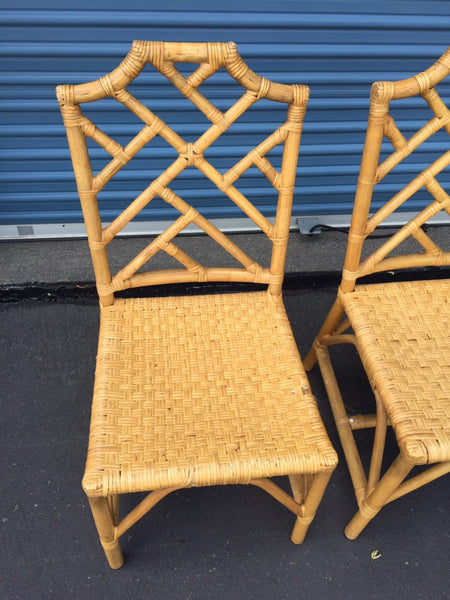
(57,261)
(69,260)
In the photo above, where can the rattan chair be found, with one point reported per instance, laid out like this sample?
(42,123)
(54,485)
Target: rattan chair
(401,329)
(205,389)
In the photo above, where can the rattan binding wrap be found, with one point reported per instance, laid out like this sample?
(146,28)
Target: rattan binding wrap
(207,389)
(401,330)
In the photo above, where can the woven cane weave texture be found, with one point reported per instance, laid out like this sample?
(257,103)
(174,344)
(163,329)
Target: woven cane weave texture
(200,390)
(403,332)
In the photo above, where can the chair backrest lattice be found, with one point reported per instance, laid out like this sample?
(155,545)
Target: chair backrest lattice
(382,125)
(163,56)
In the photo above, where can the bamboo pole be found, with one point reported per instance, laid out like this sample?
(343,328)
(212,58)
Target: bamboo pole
(83,176)
(106,531)
(378,445)
(379,104)
(141,509)
(286,192)
(373,503)
(310,505)
(343,425)
(414,483)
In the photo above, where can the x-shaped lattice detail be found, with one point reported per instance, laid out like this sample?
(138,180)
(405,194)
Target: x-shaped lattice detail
(189,154)
(403,148)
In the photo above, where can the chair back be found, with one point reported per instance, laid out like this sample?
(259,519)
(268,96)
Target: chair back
(382,126)
(164,57)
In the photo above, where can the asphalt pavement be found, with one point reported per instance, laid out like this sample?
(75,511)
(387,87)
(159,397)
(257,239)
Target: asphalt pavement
(223,542)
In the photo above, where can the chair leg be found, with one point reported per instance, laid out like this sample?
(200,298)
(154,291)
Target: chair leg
(114,505)
(300,485)
(330,324)
(344,429)
(104,522)
(310,504)
(375,501)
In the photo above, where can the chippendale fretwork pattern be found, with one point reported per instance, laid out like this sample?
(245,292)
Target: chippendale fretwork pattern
(380,118)
(162,57)
(399,328)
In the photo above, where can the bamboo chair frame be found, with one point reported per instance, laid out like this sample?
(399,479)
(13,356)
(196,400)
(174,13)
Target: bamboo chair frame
(311,459)
(401,330)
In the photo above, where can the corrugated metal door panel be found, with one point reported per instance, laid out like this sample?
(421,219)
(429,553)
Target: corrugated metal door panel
(339,54)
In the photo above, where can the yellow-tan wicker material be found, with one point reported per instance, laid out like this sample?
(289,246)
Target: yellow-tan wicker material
(401,330)
(403,333)
(184,398)
(162,56)
(206,389)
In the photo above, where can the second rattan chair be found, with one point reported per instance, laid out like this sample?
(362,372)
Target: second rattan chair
(401,329)
(194,390)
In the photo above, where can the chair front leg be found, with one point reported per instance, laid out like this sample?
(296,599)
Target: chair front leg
(375,501)
(104,522)
(114,505)
(310,504)
(330,324)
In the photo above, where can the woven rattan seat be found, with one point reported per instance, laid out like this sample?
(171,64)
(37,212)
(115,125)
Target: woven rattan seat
(403,331)
(400,329)
(208,408)
(199,389)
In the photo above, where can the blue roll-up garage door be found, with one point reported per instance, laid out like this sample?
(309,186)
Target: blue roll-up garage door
(337,48)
